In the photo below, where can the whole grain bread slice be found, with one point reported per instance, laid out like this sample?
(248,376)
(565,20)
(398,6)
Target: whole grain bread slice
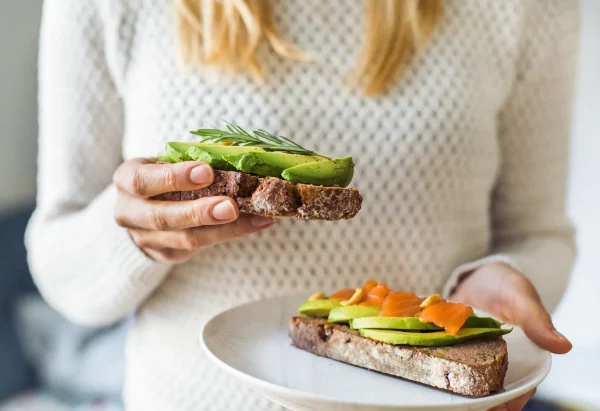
(475,368)
(274,197)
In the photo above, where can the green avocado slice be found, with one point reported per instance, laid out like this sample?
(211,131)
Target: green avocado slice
(295,168)
(431,339)
(414,323)
(268,163)
(215,160)
(212,154)
(318,308)
(165,157)
(183,146)
(392,323)
(350,312)
(334,172)
(175,152)
(481,322)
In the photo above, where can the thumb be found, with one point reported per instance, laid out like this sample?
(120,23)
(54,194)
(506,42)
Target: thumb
(535,321)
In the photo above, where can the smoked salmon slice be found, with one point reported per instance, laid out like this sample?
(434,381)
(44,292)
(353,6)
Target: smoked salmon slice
(343,294)
(369,285)
(450,316)
(375,296)
(401,304)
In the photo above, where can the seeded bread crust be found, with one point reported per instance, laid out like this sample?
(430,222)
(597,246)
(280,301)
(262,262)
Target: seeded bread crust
(274,197)
(474,368)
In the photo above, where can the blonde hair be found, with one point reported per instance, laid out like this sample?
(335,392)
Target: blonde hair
(228,33)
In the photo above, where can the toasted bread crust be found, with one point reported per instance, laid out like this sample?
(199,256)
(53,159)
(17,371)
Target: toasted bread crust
(274,197)
(475,368)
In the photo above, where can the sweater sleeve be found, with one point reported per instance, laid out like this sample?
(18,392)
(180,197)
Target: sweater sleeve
(530,229)
(83,263)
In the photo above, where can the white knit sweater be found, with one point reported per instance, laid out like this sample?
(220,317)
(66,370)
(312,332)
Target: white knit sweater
(464,159)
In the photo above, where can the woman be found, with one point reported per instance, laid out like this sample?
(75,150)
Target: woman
(457,114)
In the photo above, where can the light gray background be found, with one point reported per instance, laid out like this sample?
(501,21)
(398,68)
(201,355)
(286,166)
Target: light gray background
(576,374)
(19,25)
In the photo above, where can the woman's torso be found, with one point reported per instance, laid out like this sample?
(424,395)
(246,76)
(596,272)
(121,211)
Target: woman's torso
(426,158)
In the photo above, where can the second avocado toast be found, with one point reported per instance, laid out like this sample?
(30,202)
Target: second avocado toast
(426,340)
(269,175)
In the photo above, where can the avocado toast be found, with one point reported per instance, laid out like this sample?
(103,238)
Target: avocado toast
(269,175)
(457,351)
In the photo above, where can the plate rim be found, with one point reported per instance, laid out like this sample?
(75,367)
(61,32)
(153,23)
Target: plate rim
(276,388)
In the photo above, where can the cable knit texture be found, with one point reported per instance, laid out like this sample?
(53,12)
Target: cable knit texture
(463,161)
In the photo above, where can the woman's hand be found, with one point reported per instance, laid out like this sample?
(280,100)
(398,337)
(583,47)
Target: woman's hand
(509,296)
(171,231)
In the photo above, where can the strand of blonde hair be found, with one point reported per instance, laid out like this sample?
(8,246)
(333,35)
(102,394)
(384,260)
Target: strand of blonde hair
(228,34)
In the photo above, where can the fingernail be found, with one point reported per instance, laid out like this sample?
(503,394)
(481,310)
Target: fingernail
(558,334)
(201,175)
(223,211)
(259,221)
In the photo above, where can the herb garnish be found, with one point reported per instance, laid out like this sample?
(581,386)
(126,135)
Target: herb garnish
(237,136)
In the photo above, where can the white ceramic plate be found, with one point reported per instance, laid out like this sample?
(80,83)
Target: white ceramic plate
(251,343)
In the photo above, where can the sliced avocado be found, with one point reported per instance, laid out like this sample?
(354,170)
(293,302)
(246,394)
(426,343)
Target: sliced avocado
(481,322)
(215,160)
(414,323)
(431,339)
(184,146)
(292,167)
(268,163)
(337,171)
(166,157)
(393,323)
(350,312)
(176,152)
(318,308)
(209,153)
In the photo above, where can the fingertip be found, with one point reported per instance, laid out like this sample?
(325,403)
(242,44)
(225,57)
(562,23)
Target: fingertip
(563,345)
(225,210)
(202,174)
(565,348)
(549,339)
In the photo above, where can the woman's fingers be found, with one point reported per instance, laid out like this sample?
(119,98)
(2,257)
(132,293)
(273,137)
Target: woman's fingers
(145,178)
(519,403)
(179,246)
(510,296)
(531,315)
(515,405)
(171,231)
(134,212)
(192,239)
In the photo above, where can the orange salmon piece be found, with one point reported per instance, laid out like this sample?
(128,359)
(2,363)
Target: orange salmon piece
(369,285)
(343,294)
(376,296)
(401,304)
(450,316)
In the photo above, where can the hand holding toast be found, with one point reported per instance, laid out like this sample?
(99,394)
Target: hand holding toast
(171,231)
(508,295)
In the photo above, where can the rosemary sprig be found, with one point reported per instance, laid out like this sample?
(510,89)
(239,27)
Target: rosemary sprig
(237,136)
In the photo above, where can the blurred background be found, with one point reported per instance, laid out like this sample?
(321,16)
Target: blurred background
(48,364)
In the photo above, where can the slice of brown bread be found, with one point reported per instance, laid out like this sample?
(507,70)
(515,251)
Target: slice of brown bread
(474,368)
(274,197)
